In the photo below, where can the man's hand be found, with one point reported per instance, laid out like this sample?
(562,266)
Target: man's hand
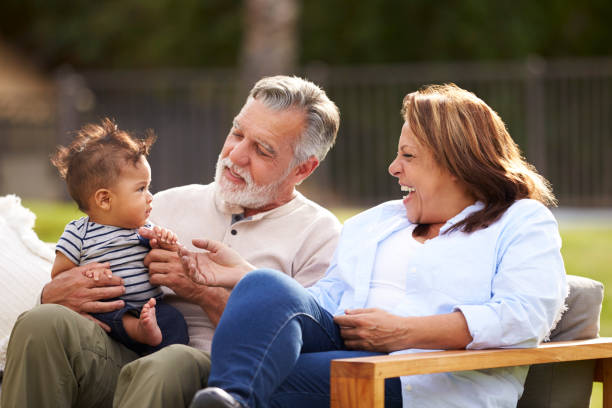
(98,273)
(75,290)
(166,269)
(218,266)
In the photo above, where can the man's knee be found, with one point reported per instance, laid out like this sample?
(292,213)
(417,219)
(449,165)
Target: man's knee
(169,363)
(168,377)
(41,322)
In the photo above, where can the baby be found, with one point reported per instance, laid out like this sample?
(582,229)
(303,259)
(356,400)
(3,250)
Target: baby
(108,176)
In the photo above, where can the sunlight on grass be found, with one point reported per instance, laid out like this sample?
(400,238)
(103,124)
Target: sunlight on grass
(596,396)
(344,213)
(587,252)
(52,217)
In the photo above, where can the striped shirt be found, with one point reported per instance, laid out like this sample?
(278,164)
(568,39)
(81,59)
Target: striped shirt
(84,242)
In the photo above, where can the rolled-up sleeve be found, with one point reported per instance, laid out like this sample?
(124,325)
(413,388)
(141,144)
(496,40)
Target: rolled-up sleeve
(528,287)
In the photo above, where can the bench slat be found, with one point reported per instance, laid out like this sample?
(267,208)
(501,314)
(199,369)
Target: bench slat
(359,382)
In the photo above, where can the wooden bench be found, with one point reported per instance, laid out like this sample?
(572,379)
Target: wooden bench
(359,382)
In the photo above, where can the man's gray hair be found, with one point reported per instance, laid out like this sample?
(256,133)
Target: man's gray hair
(322,116)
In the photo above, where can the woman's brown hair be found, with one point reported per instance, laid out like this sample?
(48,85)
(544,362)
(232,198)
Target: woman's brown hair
(470,140)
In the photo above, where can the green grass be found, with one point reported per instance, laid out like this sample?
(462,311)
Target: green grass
(52,217)
(586,252)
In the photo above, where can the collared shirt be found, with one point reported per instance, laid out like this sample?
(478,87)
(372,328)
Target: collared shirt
(297,238)
(508,280)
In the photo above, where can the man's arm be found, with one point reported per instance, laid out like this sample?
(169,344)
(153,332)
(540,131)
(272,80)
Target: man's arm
(213,302)
(76,291)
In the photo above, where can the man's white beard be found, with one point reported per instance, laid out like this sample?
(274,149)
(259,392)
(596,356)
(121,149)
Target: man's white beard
(249,195)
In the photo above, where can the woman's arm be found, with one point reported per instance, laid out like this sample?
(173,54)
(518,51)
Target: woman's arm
(529,285)
(378,330)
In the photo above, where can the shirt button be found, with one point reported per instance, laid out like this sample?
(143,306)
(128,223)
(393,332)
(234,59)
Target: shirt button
(413,269)
(408,387)
(234,232)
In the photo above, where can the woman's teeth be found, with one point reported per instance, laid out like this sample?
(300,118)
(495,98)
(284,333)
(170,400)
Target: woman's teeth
(408,190)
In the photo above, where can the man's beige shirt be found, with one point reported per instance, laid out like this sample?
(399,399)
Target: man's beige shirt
(297,238)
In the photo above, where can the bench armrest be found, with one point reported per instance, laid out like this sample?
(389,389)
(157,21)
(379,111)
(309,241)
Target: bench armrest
(359,382)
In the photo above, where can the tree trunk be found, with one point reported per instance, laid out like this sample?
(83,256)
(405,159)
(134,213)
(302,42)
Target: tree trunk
(270,38)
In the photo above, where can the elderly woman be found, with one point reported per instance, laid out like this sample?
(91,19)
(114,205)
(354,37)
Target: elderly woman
(470,258)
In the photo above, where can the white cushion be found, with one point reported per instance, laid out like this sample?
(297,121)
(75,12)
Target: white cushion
(25,265)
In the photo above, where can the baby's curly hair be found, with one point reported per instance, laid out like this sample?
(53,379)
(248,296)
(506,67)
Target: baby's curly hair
(96,157)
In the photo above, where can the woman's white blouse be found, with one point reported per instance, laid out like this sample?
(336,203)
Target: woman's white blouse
(394,257)
(508,280)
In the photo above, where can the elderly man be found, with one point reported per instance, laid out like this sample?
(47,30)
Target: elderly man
(57,358)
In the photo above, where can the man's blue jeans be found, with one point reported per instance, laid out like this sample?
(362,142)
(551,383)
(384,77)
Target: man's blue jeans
(274,344)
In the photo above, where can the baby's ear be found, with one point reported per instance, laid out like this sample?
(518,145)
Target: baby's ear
(102,199)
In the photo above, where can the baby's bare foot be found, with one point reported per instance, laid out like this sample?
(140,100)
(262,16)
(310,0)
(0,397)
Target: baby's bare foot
(148,330)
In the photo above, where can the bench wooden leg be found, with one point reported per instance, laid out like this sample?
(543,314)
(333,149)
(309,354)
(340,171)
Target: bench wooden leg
(606,373)
(355,391)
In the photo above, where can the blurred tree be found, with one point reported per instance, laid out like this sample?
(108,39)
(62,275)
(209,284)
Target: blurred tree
(125,33)
(166,33)
(270,38)
(377,31)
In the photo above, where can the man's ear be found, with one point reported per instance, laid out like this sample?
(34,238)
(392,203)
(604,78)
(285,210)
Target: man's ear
(302,171)
(102,199)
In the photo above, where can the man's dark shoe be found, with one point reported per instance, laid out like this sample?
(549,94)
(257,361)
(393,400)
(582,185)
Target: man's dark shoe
(213,397)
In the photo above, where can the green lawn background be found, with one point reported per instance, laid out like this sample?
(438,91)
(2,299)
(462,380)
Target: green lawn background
(587,251)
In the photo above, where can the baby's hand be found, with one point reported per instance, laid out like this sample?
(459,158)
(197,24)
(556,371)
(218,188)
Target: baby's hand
(164,239)
(98,273)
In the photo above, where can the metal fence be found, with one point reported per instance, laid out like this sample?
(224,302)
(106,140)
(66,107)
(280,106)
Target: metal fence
(559,112)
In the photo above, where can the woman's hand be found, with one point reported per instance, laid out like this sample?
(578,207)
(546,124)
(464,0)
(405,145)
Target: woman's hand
(219,266)
(372,330)
(378,330)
